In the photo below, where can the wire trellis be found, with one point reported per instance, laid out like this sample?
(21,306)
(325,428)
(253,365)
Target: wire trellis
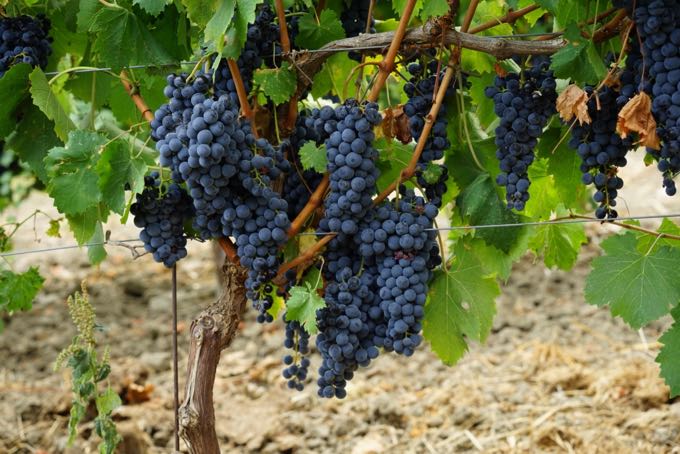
(574,220)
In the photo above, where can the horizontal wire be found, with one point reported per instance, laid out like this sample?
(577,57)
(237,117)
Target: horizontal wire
(440,229)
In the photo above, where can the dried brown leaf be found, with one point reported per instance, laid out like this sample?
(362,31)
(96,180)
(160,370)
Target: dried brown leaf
(395,124)
(636,117)
(573,101)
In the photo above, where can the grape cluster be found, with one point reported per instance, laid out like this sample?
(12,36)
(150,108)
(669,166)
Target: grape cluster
(601,149)
(297,364)
(160,211)
(229,174)
(403,245)
(658,25)
(24,39)
(354,22)
(420,90)
(524,103)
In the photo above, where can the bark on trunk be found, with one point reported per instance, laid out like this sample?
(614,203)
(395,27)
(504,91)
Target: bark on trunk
(211,332)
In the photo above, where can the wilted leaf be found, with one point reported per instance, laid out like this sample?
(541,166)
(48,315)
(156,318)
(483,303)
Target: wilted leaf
(636,116)
(395,124)
(573,102)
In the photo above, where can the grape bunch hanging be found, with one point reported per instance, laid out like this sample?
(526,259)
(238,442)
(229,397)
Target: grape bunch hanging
(24,39)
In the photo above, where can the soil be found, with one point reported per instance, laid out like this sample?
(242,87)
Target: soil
(556,375)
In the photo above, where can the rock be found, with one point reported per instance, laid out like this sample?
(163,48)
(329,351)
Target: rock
(371,444)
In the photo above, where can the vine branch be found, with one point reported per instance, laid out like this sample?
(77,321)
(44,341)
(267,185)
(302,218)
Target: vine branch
(241,92)
(636,228)
(314,201)
(469,14)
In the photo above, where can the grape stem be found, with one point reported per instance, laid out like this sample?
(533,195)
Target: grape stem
(241,92)
(285,40)
(136,97)
(469,14)
(306,256)
(636,228)
(387,65)
(312,204)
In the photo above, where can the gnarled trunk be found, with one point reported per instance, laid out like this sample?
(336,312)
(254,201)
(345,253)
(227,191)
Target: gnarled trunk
(211,332)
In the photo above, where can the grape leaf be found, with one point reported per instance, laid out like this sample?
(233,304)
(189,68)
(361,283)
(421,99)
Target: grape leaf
(304,301)
(17,291)
(460,305)
(53,229)
(669,355)
(118,32)
(116,168)
(34,137)
(153,7)
(480,203)
(201,11)
(563,164)
(558,244)
(638,287)
(278,84)
(393,156)
(45,99)
(218,24)
(74,183)
(580,54)
(83,225)
(313,157)
(398,7)
(97,253)
(314,34)
(543,194)
(13,88)
(434,8)
(646,241)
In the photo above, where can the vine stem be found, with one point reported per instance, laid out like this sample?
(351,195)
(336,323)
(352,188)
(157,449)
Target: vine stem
(314,201)
(509,18)
(636,228)
(225,243)
(285,39)
(136,97)
(387,65)
(308,255)
(241,92)
(469,14)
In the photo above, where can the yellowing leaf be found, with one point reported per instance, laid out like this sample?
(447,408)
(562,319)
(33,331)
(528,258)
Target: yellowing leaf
(636,116)
(573,102)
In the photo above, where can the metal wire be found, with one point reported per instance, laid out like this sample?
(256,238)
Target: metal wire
(440,229)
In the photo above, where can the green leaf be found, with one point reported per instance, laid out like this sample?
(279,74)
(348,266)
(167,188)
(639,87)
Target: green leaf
(543,196)
(53,230)
(313,157)
(118,34)
(92,87)
(432,173)
(563,164)
(304,301)
(638,287)
(314,34)
(646,241)
(558,244)
(97,252)
(580,54)
(153,7)
(217,25)
(201,11)
(74,183)
(17,291)
(116,168)
(460,305)
(107,401)
(492,259)
(480,203)
(13,89)
(76,414)
(33,138)
(398,7)
(434,8)
(669,355)
(393,156)
(83,225)
(45,99)
(278,84)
